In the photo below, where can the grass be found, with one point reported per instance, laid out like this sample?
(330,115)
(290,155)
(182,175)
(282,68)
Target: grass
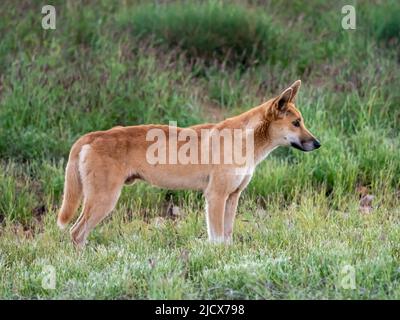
(300,221)
(296,252)
(212,31)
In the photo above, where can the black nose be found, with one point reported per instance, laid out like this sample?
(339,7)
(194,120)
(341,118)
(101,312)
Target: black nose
(316,144)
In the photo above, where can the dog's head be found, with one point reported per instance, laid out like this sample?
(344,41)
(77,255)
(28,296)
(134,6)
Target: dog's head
(287,127)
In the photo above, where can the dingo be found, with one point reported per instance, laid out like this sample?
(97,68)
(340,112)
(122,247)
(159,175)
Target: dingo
(101,162)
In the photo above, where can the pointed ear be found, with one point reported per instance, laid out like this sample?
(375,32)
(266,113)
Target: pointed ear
(295,86)
(282,101)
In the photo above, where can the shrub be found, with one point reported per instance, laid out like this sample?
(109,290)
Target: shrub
(386,23)
(209,31)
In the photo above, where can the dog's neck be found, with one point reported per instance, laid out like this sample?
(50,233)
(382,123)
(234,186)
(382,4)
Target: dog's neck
(258,120)
(263,143)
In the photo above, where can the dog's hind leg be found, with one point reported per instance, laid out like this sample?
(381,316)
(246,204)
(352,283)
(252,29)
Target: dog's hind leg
(95,208)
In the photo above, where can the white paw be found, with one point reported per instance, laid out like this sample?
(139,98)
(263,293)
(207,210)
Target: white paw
(217,240)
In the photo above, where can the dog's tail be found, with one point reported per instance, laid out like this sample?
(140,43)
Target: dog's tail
(72,188)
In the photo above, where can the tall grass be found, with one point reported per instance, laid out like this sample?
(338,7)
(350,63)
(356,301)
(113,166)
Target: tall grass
(209,30)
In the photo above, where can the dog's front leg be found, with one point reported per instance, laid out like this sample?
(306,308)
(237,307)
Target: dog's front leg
(215,210)
(230,212)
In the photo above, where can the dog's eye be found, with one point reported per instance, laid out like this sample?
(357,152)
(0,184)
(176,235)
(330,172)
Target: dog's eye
(296,123)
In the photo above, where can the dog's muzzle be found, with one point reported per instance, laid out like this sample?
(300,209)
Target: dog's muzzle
(307,145)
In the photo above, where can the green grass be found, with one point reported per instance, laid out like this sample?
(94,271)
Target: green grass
(135,62)
(210,30)
(295,252)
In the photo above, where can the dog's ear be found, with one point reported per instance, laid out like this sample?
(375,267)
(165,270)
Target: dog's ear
(295,86)
(282,101)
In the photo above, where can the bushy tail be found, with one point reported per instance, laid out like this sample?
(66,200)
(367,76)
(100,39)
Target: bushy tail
(72,190)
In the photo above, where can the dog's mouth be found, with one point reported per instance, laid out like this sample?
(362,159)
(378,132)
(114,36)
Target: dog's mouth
(306,146)
(297,146)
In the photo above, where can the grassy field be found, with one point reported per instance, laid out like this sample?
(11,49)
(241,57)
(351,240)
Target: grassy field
(304,221)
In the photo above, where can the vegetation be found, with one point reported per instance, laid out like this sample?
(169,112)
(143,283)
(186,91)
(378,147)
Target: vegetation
(304,216)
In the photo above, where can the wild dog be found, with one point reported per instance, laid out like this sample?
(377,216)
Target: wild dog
(101,162)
